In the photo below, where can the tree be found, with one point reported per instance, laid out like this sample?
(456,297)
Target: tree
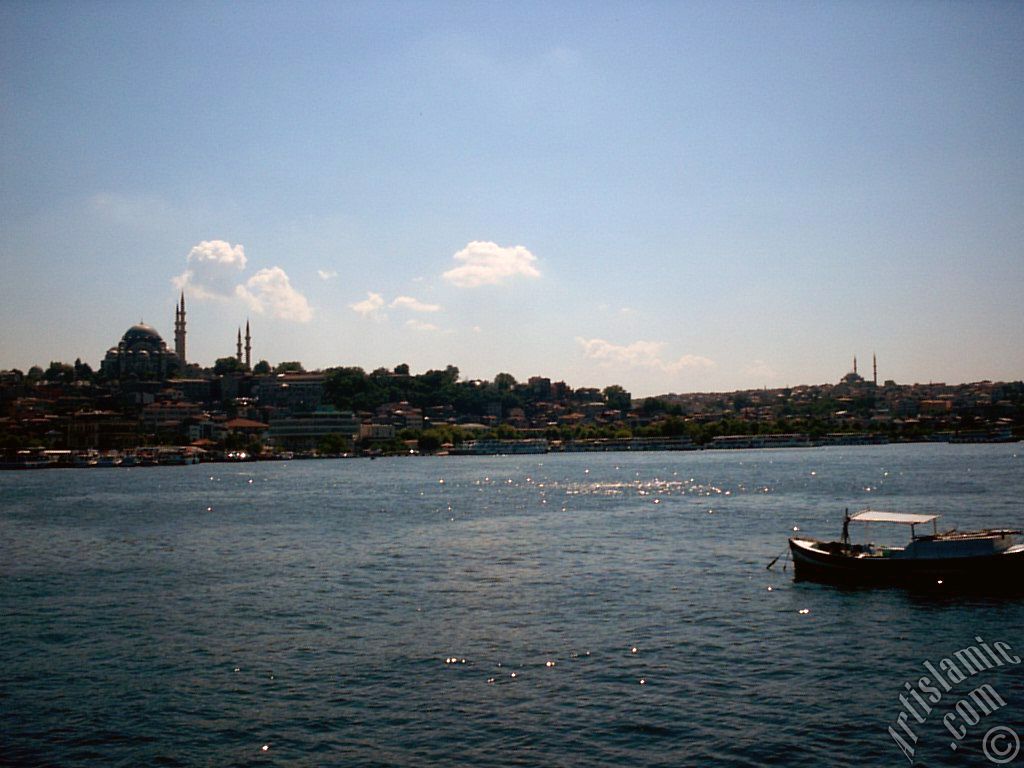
(402,369)
(505,432)
(333,443)
(505,382)
(439,379)
(261,368)
(290,367)
(653,405)
(429,441)
(225,365)
(617,398)
(59,372)
(673,426)
(12,442)
(350,389)
(83,371)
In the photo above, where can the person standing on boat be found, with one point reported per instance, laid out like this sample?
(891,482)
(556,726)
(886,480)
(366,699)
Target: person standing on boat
(846,528)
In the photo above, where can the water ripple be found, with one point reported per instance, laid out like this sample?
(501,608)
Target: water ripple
(560,610)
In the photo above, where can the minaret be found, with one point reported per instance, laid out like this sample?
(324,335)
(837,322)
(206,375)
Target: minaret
(238,354)
(179,330)
(855,364)
(248,348)
(874,365)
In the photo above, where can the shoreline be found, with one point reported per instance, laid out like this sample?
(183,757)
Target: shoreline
(36,459)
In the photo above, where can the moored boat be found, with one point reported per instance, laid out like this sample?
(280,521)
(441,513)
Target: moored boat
(24,459)
(990,558)
(500,447)
(108,460)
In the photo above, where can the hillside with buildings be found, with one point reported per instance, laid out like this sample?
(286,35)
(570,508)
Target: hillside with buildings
(144,395)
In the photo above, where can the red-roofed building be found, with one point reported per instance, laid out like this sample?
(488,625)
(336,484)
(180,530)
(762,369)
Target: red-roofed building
(247,427)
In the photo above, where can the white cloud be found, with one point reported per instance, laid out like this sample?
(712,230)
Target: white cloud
(219,251)
(691,361)
(414,305)
(419,325)
(213,268)
(327,274)
(486,263)
(370,307)
(270,291)
(214,272)
(640,354)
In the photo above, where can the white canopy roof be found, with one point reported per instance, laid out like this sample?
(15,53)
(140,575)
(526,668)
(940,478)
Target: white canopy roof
(877,516)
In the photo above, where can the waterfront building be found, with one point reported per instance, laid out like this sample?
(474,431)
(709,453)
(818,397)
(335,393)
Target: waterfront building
(401,415)
(167,415)
(296,392)
(304,431)
(247,427)
(376,430)
(101,430)
(195,390)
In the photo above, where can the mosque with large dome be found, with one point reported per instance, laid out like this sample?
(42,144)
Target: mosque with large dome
(143,354)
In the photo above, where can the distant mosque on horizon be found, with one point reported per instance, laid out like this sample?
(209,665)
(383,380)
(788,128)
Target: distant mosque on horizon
(143,353)
(855,378)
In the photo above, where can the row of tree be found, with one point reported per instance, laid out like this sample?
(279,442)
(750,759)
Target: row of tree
(58,372)
(79,371)
(352,388)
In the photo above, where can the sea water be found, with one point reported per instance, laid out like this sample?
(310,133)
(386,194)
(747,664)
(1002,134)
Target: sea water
(553,610)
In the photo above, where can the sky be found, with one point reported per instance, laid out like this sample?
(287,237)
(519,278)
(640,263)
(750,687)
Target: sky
(670,196)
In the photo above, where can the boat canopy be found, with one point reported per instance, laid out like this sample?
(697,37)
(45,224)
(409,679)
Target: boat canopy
(877,516)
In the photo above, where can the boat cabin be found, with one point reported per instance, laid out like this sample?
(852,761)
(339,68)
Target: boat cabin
(902,518)
(933,545)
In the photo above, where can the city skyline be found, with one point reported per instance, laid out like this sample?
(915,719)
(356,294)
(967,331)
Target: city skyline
(703,197)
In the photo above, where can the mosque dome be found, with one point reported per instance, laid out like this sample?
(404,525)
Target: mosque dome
(141,332)
(141,353)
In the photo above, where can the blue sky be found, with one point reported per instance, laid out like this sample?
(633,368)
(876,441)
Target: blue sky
(675,197)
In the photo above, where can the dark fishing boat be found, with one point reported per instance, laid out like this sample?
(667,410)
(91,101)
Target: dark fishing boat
(985,558)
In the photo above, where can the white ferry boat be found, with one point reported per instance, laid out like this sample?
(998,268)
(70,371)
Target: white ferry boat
(500,447)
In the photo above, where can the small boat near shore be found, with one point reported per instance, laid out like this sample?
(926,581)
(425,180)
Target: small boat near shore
(991,558)
(500,447)
(25,459)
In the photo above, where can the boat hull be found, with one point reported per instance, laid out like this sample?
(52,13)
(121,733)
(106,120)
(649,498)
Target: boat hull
(998,572)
